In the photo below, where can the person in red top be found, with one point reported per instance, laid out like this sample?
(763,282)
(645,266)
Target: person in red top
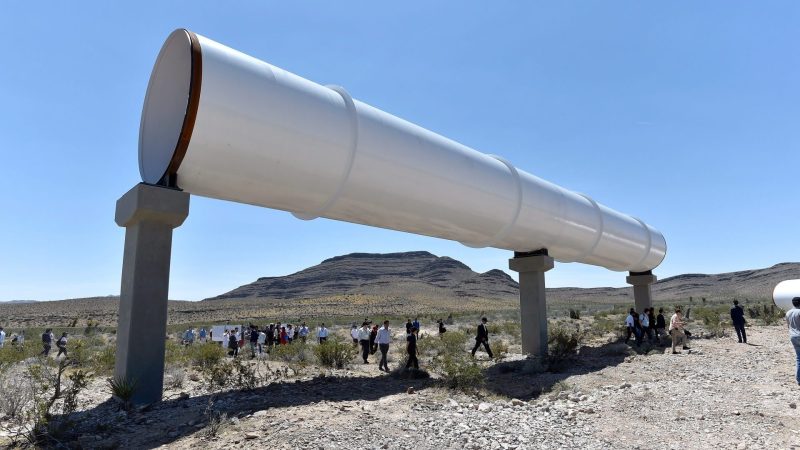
(283,336)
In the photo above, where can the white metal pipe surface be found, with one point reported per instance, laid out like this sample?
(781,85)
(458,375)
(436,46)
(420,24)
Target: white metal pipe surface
(225,125)
(784,292)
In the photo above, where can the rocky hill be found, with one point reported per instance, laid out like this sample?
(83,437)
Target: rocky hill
(414,273)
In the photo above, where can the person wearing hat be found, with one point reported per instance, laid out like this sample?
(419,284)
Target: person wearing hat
(793,320)
(737,319)
(482,337)
(363,339)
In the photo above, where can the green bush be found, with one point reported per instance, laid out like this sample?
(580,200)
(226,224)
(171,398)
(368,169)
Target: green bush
(563,342)
(335,353)
(511,328)
(574,314)
(459,372)
(204,356)
(296,352)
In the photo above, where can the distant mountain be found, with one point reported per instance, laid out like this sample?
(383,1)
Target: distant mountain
(19,302)
(391,274)
(412,274)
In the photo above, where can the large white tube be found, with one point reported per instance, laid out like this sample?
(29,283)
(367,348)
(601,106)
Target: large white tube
(222,124)
(784,292)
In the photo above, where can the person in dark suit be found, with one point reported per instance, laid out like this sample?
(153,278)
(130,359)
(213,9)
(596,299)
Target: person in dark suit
(737,318)
(411,349)
(482,338)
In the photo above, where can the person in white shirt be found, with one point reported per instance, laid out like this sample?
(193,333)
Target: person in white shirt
(383,339)
(676,330)
(793,320)
(644,321)
(631,327)
(2,337)
(303,333)
(262,338)
(289,333)
(354,335)
(322,333)
(363,339)
(21,339)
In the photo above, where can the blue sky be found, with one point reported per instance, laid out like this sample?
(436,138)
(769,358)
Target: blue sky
(685,114)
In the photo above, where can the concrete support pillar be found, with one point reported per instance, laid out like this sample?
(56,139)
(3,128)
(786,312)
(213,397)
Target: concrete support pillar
(148,213)
(642,296)
(532,299)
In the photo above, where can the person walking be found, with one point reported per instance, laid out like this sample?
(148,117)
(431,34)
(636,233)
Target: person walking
(62,345)
(442,329)
(633,327)
(482,338)
(676,330)
(644,322)
(363,340)
(373,334)
(415,325)
(737,319)
(322,333)
(303,333)
(284,339)
(233,345)
(262,339)
(254,345)
(411,349)
(289,333)
(203,334)
(383,339)
(409,326)
(47,342)
(661,323)
(793,321)
(2,337)
(354,334)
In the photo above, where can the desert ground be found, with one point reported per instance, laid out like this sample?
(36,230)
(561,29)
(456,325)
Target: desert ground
(596,392)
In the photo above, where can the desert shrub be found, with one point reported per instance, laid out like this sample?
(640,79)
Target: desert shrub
(457,371)
(603,325)
(499,348)
(511,328)
(103,361)
(15,398)
(295,353)
(771,315)
(214,420)
(218,375)
(204,356)
(174,353)
(335,353)
(123,389)
(174,377)
(574,314)
(244,375)
(563,341)
(711,320)
(559,387)
(493,328)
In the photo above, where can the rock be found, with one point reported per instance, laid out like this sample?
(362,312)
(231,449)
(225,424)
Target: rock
(485,407)
(261,413)
(793,405)
(517,402)
(452,403)
(410,389)
(183,396)
(250,436)
(625,385)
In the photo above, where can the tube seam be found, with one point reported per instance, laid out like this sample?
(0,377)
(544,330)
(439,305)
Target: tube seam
(500,235)
(351,157)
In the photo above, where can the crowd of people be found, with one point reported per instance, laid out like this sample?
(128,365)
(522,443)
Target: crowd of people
(370,337)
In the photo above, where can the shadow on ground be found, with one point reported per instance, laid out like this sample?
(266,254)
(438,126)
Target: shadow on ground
(106,426)
(527,379)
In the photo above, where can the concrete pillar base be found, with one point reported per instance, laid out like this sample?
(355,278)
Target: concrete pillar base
(532,299)
(642,296)
(148,213)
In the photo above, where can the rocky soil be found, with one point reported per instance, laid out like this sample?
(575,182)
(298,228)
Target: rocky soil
(719,394)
